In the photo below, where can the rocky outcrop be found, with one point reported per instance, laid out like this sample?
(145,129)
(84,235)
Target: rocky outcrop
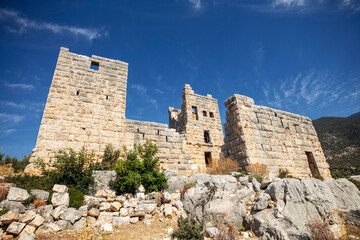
(281,209)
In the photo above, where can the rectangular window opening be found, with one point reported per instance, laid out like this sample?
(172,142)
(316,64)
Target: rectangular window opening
(94,65)
(195,113)
(206,136)
(204,114)
(158,132)
(208,160)
(143,136)
(107,97)
(77,93)
(257,117)
(211,114)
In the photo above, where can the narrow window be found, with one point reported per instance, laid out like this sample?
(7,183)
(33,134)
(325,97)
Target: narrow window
(143,136)
(204,114)
(312,164)
(166,139)
(158,132)
(211,114)
(107,97)
(77,93)
(282,124)
(206,137)
(257,117)
(94,66)
(195,113)
(208,160)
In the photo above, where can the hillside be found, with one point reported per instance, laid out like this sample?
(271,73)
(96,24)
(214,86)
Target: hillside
(340,140)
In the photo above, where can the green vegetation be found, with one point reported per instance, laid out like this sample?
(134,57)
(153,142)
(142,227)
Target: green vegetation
(29,201)
(317,176)
(284,174)
(188,228)
(3,211)
(17,165)
(139,166)
(76,198)
(109,159)
(32,182)
(72,169)
(340,140)
(258,177)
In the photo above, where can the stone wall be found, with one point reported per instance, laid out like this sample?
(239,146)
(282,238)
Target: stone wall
(199,120)
(277,139)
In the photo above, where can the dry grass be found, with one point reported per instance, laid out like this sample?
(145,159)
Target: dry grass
(3,193)
(7,170)
(38,203)
(225,167)
(320,231)
(258,168)
(228,232)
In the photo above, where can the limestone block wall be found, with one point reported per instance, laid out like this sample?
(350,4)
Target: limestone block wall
(85,107)
(199,114)
(277,139)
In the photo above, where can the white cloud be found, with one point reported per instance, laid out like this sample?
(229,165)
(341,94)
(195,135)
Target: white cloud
(139,87)
(18,24)
(196,4)
(20,85)
(353,5)
(8,131)
(289,3)
(12,118)
(31,106)
(154,102)
(158,90)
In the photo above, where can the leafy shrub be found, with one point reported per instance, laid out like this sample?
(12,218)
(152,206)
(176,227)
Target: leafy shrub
(188,228)
(258,177)
(224,167)
(258,168)
(76,198)
(140,166)
(32,182)
(29,201)
(109,159)
(72,169)
(3,193)
(284,173)
(39,203)
(17,166)
(320,231)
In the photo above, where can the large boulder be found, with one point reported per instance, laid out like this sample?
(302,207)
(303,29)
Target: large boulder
(17,194)
(28,216)
(71,214)
(13,205)
(60,188)
(15,228)
(60,198)
(9,217)
(40,194)
(102,179)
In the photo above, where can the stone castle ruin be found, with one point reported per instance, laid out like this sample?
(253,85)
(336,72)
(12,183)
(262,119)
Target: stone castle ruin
(86,107)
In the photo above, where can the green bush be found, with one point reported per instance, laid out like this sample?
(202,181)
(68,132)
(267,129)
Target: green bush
(76,198)
(17,165)
(32,182)
(258,177)
(284,174)
(140,166)
(317,176)
(72,169)
(188,228)
(29,201)
(109,159)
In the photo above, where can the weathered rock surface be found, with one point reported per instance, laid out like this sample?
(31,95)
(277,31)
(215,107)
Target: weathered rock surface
(9,217)
(13,205)
(40,194)
(71,214)
(60,188)
(102,179)
(60,198)
(15,228)
(17,194)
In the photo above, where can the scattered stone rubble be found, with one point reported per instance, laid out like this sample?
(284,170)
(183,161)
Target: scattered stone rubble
(274,209)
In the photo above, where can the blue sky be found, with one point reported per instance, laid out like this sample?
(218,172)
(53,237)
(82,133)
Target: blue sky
(301,56)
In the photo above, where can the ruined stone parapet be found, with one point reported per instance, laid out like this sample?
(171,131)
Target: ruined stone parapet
(274,138)
(199,120)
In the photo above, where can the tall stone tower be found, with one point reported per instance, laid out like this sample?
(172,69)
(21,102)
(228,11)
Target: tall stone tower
(85,106)
(199,121)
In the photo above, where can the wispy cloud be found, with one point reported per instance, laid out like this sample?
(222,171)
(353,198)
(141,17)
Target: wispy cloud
(20,85)
(311,88)
(10,118)
(154,102)
(8,131)
(31,106)
(139,87)
(158,90)
(289,3)
(196,4)
(352,5)
(16,23)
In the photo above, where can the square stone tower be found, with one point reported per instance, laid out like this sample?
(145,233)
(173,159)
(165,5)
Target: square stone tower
(85,106)
(199,121)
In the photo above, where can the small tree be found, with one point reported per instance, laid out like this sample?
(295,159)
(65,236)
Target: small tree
(72,170)
(139,166)
(188,228)
(109,159)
